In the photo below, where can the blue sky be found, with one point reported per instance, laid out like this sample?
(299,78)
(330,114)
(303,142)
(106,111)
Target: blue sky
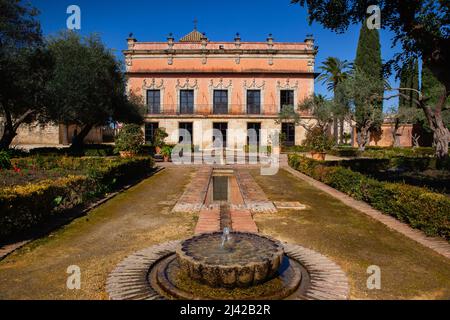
(152,20)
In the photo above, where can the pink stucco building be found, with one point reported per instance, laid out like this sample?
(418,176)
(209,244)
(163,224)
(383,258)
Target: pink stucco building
(200,85)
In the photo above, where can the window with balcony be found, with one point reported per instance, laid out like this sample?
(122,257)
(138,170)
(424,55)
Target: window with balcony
(286,98)
(153,101)
(220,102)
(186,101)
(253,101)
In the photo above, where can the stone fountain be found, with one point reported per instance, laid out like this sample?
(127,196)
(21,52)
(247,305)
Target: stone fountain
(230,260)
(226,266)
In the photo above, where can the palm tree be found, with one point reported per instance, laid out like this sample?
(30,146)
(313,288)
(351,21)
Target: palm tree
(333,72)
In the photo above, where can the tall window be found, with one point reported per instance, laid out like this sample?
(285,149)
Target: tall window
(253,101)
(153,101)
(220,102)
(186,101)
(150,129)
(286,98)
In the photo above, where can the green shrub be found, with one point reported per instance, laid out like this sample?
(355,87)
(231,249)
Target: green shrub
(389,152)
(25,206)
(130,139)
(295,149)
(318,141)
(5,160)
(416,206)
(344,152)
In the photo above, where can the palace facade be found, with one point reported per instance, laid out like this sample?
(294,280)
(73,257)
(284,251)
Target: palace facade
(200,85)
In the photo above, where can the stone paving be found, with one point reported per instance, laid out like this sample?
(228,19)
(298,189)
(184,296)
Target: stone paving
(242,220)
(194,197)
(208,221)
(254,197)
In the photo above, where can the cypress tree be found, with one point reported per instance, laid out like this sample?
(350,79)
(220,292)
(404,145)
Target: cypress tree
(409,78)
(368,60)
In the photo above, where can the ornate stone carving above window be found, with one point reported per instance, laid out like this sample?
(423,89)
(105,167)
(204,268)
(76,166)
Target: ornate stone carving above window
(254,85)
(220,84)
(287,85)
(187,84)
(152,84)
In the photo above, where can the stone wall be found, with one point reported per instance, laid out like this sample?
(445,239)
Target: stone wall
(385,138)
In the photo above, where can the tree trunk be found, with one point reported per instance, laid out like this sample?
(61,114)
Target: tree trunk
(78,140)
(341,131)
(335,129)
(362,137)
(395,138)
(441,138)
(10,130)
(441,135)
(7,137)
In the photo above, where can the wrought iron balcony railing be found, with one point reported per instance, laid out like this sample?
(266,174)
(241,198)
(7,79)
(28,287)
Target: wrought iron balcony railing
(215,110)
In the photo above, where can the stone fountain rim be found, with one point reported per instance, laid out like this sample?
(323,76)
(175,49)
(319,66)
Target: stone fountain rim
(129,280)
(278,250)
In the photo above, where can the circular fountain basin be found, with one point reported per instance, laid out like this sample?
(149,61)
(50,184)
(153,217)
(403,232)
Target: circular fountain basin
(246,259)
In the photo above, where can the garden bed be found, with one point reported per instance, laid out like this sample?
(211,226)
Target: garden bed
(419,207)
(53,185)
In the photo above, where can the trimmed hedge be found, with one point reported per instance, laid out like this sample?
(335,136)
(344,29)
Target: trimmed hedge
(416,206)
(25,206)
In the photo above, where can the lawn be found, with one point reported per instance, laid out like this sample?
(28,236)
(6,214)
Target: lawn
(354,241)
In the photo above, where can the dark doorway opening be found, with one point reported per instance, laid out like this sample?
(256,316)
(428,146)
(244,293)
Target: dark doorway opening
(188,129)
(288,130)
(222,127)
(254,128)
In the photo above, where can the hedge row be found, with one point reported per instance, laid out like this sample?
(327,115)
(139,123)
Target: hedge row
(25,206)
(376,165)
(382,152)
(418,207)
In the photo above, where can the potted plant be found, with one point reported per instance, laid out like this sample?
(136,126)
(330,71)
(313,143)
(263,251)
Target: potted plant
(129,141)
(318,142)
(166,152)
(158,139)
